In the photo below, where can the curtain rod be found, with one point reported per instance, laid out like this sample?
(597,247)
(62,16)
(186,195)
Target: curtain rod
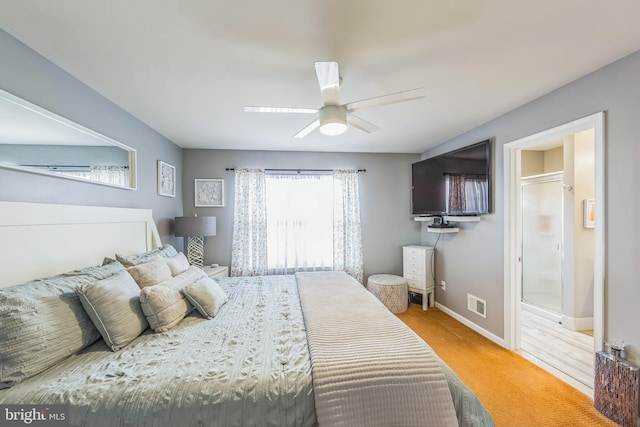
(297,170)
(65,166)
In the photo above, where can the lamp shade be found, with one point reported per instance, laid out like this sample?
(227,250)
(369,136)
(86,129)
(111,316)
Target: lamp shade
(187,226)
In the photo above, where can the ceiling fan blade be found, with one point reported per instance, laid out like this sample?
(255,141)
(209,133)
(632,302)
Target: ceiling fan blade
(307,129)
(329,81)
(393,98)
(361,124)
(280,110)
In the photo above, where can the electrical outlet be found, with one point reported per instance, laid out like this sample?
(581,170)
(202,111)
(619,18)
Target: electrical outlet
(443,285)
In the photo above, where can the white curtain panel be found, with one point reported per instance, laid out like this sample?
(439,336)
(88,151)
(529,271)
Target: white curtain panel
(299,223)
(249,247)
(347,226)
(116,175)
(76,174)
(475,195)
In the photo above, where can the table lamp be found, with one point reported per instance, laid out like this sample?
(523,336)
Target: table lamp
(195,229)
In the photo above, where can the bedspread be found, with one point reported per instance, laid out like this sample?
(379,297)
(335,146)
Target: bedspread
(247,366)
(369,369)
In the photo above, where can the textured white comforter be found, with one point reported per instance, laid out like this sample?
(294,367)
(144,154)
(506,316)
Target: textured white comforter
(249,366)
(368,368)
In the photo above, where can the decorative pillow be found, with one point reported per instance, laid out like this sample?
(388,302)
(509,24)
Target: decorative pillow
(206,296)
(150,273)
(164,251)
(108,260)
(42,322)
(113,304)
(178,264)
(164,305)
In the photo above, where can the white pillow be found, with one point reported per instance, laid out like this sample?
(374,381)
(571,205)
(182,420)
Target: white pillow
(178,264)
(113,304)
(164,305)
(150,273)
(207,296)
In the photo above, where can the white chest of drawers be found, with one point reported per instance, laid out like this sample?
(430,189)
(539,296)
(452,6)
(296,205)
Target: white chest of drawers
(417,270)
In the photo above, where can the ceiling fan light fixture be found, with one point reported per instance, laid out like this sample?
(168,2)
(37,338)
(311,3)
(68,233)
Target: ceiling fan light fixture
(333,129)
(333,120)
(332,116)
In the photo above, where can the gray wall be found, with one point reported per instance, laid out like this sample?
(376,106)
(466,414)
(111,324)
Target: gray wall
(472,261)
(385,192)
(28,75)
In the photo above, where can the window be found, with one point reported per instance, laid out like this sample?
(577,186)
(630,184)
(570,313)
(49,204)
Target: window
(288,223)
(299,223)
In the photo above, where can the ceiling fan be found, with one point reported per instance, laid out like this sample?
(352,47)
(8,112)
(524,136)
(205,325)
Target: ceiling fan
(334,117)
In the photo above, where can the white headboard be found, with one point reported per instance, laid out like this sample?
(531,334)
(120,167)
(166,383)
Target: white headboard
(41,240)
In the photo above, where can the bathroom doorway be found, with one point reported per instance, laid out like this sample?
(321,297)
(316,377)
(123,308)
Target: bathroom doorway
(563,295)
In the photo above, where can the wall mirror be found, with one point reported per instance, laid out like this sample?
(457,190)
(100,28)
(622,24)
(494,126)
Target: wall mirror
(36,140)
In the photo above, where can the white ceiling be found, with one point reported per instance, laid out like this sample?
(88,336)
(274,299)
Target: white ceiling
(187,67)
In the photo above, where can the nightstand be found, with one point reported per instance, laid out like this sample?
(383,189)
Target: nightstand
(213,272)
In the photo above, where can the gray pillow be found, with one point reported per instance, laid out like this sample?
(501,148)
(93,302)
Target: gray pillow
(206,296)
(164,251)
(113,304)
(42,322)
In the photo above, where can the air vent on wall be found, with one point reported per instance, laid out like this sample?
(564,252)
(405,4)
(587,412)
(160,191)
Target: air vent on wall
(477,305)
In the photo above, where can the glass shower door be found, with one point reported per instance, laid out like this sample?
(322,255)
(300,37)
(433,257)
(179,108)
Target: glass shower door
(542,242)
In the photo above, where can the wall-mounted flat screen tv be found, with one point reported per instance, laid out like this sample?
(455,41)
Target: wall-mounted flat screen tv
(454,183)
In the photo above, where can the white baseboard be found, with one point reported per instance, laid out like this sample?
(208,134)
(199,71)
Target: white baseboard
(496,339)
(571,323)
(577,323)
(541,312)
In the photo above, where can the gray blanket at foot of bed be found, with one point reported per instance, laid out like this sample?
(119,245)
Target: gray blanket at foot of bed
(368,368)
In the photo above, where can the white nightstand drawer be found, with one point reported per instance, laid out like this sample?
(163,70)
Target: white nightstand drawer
(412,255)
(415,265)
(415,277)
(416,284)
(413,271)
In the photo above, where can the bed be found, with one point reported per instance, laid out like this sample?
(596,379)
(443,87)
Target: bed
(304,350)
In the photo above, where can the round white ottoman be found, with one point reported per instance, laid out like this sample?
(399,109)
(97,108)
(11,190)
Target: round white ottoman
(391,290)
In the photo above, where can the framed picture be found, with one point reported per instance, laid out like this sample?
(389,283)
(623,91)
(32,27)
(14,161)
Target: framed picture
(166,179)
(589,213)
(209,193)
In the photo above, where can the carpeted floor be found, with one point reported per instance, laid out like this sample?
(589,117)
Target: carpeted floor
(514,390)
